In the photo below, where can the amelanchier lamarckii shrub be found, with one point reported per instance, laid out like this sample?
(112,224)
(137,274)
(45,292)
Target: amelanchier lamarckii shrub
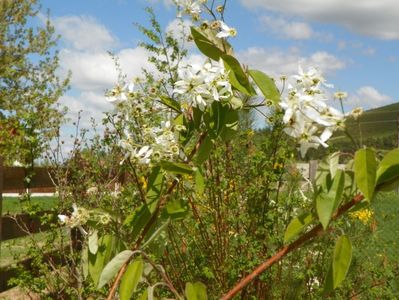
(179,130)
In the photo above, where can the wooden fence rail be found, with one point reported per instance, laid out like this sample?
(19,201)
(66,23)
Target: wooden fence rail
(12,180)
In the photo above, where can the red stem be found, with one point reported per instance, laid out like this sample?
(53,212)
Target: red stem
(317,230)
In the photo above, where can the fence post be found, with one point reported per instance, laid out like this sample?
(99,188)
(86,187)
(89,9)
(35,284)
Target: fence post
(312,170)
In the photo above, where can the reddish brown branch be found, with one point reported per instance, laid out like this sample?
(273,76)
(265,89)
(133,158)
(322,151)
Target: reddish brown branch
(316,231)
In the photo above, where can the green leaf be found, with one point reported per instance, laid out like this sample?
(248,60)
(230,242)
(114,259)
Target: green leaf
(296,226)
(333,163)
(137,220)
(197,117)
(144,295)
(206,46)
(266,85)
(154,189)
(176,209)
(228,123)
(340,263)
(171,103)
(177,168)
(350,186)
(130,279)
(179,120)
(327,203)
(365,167)
(199,182)
(106,248)
(204,150)
(113,267)
(388,171)
(93,242)
(337,188)
(196,291)
(156,234)
(238,78)
(323,177)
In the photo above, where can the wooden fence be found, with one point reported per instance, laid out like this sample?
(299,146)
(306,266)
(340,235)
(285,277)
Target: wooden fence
(12,181)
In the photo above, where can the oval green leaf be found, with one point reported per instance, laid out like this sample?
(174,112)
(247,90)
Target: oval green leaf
(196,291)
(171,103)
(205,45)
(266,85)
(388,169)
(106,248)
(365,167)
(342,259)
(327,202)
(113,267)
(130,279)
(176,168)
(93,242)
(296,226)
(340,264)
(204,150)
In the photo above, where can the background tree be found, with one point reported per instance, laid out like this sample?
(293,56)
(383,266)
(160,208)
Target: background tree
(29,87)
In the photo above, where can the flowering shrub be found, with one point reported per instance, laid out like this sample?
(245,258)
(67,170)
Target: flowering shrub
(205,209)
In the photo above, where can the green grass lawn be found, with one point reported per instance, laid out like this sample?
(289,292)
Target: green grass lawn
(13,205)
(14,250)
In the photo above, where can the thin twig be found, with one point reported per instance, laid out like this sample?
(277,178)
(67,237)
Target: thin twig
(154,217)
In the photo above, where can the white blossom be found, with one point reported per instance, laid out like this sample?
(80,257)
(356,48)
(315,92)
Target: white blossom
(307,116)
(356,112)
(201,85)
(79,217)
(226,31)
(189,7)
(120,93)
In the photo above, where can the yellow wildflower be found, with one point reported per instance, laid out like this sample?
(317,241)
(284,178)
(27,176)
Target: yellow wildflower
(364,215)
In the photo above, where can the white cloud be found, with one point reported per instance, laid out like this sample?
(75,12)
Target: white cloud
(368,17)
(88,104)
(180,29)
(84,33)
(284,28)
(94,71)
(368,97)
(276,62)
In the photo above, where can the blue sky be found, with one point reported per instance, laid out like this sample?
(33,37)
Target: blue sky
(354,43)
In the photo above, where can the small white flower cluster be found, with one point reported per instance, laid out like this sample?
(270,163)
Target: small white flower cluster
(120,93)
(126,93)
(159,143)
(307,116)
(143,142)
(189,7)
(356,112)
(78,217)
(226,31)
(202,85)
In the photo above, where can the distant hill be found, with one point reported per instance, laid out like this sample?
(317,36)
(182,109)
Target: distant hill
(377,122)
